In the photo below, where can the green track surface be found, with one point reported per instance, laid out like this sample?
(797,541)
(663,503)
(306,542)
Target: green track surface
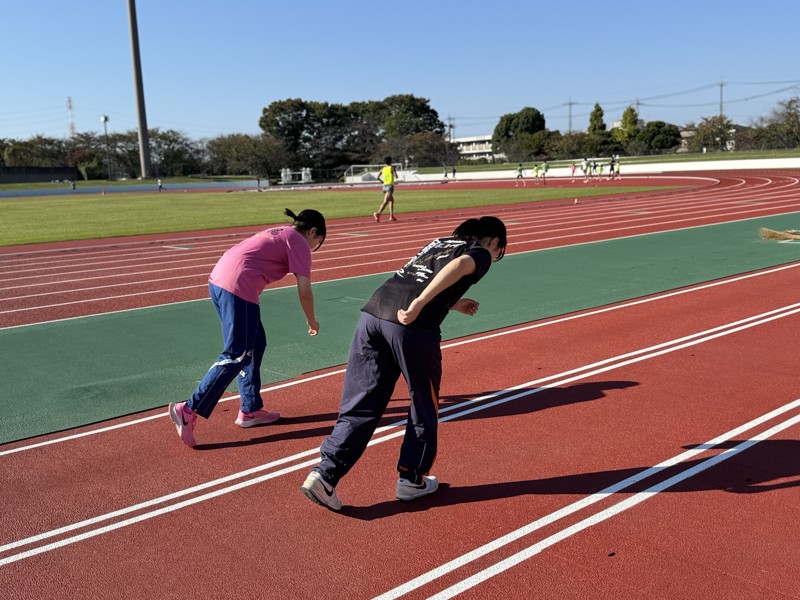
(65,374)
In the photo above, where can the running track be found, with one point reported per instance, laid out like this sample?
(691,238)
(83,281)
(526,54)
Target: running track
(647,449)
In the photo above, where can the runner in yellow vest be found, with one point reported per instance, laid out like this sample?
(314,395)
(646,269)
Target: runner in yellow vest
(387,177)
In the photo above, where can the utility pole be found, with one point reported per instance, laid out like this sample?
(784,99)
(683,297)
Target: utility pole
(144,140)
(721,85)
(569,104)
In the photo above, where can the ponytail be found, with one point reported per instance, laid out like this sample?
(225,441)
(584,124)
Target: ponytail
(307,219)
(477,229)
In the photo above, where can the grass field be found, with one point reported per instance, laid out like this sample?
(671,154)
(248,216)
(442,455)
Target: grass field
(77,217)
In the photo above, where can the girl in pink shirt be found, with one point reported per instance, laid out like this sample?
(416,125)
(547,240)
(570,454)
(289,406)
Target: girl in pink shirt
(235,285)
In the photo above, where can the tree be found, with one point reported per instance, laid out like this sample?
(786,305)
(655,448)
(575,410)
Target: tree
(125,153)
(431,148)
(629,128)
(512,133)
(659,137)
(87,153)
(711,135)
(329,136)
(242,154)
(39,151)
(600,142)
(596,124)
(571,146)
(784,124)
(405,114)
(173,154)
(288,121)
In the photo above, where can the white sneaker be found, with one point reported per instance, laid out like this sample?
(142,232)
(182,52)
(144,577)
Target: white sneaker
(411,491)
(316,490)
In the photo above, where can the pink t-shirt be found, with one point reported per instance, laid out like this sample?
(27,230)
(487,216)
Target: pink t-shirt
(251,265)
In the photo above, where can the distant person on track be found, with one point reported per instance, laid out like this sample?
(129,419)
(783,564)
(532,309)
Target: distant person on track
(387,177)
(398,333)
(520,176)
(543,170)
(235,285)
(160,186)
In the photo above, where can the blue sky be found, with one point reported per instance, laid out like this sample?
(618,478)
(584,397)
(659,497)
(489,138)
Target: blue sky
(210,67)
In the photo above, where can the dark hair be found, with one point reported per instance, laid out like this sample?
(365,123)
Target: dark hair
(307,219)
(388,160)
(476,229)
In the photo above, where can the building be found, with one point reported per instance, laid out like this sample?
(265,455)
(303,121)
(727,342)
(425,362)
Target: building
(475,147)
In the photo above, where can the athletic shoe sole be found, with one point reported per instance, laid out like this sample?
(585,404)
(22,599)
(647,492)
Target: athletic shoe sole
(254,422)
(309,490)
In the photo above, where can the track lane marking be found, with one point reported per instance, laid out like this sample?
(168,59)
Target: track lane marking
(471,340)
(400,425)
(603,515)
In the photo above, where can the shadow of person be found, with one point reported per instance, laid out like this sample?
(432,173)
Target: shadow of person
(535,400)
(768,465)
(540,398)
(265,434)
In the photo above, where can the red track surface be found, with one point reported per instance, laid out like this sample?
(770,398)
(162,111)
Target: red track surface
(598,397)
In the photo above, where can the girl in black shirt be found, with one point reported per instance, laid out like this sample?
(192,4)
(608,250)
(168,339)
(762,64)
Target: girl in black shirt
(398,333)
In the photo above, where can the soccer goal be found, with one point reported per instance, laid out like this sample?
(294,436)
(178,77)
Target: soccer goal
(368,173)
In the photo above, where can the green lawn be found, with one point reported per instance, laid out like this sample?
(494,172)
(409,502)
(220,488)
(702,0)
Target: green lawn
(76,217)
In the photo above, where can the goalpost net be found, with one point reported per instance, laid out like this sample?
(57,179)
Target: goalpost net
(368,173)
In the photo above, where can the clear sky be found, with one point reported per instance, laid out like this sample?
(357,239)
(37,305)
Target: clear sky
(210,67)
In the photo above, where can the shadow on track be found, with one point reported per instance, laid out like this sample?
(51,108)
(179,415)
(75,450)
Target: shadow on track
(540,400)
(769,465)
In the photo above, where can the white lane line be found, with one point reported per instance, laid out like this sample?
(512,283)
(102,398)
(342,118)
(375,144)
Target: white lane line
(160,415)
(445,346)
(399,425)
(603,515)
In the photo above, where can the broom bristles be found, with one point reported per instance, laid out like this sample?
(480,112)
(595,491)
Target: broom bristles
(771,234)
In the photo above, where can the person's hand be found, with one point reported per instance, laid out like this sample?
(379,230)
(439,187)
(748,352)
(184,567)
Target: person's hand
(313,327)
(407,316)
(466,306)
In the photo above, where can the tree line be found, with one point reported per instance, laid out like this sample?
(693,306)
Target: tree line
(523,135)
(328,137)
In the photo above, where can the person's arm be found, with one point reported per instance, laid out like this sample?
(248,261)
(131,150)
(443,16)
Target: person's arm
(455,270)
(306,297)
(466,306)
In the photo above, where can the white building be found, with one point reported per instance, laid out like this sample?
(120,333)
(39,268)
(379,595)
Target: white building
(475,147)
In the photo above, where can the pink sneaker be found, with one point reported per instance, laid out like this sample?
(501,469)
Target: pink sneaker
(392,219)
(377,217)
(184,422)
(259,417)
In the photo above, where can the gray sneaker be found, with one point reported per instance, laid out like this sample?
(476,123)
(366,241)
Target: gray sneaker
(316,490)
(411,491)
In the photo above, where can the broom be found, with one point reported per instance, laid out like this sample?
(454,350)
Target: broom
(771,234)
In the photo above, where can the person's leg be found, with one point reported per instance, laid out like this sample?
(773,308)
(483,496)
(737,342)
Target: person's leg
(249,380)
(391,206)
(377,215)
(420,358)
(240,322)
(368,385)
